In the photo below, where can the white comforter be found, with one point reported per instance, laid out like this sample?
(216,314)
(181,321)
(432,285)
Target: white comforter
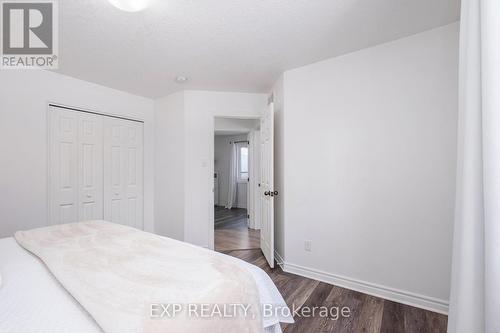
(32,300)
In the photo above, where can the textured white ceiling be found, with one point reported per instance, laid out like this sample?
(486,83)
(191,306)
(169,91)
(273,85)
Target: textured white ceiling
(234,45)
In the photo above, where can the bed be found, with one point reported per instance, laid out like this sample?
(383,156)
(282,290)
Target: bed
(32,299)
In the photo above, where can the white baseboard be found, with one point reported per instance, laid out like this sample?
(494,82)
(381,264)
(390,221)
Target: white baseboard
(279,259)
(392,294)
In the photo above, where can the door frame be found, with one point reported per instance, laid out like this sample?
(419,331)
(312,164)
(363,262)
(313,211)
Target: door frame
(251,171)
(91,111)
(253,199)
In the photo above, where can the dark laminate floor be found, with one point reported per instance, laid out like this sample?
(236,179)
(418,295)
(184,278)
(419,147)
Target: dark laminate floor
(368,313)
(231,231)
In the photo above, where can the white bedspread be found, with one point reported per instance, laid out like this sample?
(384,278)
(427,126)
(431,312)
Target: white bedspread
(32,300)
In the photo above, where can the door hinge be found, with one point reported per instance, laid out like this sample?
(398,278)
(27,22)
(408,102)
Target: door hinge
(248,216)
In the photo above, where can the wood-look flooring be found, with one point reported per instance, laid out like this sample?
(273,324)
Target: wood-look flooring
(231,231)
(368,313)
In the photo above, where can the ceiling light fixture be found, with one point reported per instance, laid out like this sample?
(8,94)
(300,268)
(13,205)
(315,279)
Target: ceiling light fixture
(181,79)
(131,5)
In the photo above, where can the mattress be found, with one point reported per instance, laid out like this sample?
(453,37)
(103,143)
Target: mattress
(32,300)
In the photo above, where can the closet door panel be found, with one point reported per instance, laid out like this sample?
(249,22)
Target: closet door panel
(123,149)
(90,171)
(113,170)
(134,178)
(63,150)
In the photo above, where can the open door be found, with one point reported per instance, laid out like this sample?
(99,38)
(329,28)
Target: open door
(267,191)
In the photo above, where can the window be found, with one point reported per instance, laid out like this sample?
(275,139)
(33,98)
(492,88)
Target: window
(242,163)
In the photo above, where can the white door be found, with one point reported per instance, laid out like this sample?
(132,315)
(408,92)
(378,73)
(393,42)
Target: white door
(76,185)
(63,136)
(90,167)
(123,174)
(267,185)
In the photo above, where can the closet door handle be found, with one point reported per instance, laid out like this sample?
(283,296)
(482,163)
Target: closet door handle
(267,193)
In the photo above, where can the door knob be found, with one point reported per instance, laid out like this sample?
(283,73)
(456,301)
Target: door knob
(275,193)
(267,193)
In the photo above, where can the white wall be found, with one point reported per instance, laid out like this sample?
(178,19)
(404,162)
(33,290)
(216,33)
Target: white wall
(200,108)
(235,125)
(254,204)
(222,156)
(24,96)
(241,195)
(169,162)
(369,167)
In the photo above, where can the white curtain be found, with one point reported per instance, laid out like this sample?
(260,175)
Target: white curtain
(475,287)
(233,175)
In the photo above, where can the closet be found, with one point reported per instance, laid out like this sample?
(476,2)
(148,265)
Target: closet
(95,168)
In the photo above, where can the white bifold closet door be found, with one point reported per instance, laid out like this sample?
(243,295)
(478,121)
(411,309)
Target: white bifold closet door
(123,181)
(91,158)
(76,168)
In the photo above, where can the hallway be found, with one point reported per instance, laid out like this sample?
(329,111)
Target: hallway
(231,231)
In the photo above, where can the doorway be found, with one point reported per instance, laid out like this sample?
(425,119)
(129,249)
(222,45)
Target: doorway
(235,178)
